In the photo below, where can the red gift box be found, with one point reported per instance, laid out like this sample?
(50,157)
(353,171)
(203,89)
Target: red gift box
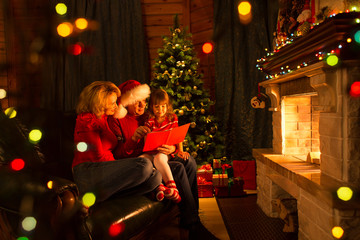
(205,188)
(205,171)
(247,171)
(237,189)
(221,191)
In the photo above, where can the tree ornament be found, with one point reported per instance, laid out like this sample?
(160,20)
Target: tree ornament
(181,112)
(193,124)
(202,111)
(194,154)
(195,87)
(213,129)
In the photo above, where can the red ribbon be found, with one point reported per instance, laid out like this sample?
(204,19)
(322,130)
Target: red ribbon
(205,167)
(225,166)
(201,180)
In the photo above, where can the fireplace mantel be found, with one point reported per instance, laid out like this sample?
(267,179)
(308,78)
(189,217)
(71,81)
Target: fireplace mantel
(300,61)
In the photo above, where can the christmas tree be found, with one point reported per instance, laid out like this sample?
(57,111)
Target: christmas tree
(176,71)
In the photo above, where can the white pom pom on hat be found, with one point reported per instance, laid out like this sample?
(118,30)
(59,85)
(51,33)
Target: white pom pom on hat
(131,92)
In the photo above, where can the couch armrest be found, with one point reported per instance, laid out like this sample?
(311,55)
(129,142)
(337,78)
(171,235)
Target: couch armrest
(51,200)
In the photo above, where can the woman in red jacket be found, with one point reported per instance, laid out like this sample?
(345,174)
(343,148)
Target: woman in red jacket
(94,166)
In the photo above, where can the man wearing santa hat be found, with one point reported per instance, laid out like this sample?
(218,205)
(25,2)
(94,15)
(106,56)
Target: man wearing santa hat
(131,131)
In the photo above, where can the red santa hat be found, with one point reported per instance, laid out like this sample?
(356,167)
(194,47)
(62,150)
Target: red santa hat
(131,92)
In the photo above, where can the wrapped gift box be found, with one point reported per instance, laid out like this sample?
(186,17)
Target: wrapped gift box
(220,179)
(233,189)
(237,187)
(247,171)
(221,191)
(205,188)
(216,163)
(205,171)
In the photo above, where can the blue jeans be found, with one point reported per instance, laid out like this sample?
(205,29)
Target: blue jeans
(130,176)
(184,173)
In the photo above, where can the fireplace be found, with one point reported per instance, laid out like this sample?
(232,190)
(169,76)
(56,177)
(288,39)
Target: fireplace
(316,131)
(300,127)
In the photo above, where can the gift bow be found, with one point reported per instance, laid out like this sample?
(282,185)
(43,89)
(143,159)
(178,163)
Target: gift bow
(225,166)
(205,167)
(201,180)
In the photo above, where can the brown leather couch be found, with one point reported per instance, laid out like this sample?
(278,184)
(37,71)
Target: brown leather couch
(57,208)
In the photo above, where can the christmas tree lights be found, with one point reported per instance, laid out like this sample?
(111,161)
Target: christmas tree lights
(176,71)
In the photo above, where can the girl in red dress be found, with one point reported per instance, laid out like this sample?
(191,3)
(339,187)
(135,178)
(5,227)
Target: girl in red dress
(161,118)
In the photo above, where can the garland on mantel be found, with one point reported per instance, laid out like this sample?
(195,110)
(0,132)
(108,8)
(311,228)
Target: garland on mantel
(331,56)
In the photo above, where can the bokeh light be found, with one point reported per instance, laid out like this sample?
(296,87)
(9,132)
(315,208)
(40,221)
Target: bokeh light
(22,238)
(344,193)
(81,23)
(115,229)
(61,8)
(75,49)
(88,199)
(357,36)
(10,112)
(2,93)
(207,48)
(349,40)
(355,89)
(50,184)
(17,164)
(35,135)
(332,60)
(244,8)
(337,232)
(64,29)
(81,146)
(28,224)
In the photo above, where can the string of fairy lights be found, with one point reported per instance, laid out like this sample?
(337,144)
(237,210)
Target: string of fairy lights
(331,56)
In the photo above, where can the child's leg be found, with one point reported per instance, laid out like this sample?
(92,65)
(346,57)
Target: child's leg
(159,191)
(161,164)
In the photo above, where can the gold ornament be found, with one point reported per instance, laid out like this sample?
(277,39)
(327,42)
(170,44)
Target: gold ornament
(202,111)
(181,112)
(195,87)
(193,124)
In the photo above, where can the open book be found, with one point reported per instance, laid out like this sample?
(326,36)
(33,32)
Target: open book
(167,137)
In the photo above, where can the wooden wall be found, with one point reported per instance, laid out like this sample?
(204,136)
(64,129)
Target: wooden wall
(3,74)
(197,15)
(157,17)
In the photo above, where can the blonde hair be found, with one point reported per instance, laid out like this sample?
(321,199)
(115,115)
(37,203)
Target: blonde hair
(93,98)
(157,97)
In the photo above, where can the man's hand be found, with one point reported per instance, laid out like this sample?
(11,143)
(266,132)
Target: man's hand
(184,155)
(166,149)
(140,132)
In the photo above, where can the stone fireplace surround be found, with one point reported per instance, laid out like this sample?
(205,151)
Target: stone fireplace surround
(314,186)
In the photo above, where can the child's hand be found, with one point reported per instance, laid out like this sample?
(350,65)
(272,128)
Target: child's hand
(184,155)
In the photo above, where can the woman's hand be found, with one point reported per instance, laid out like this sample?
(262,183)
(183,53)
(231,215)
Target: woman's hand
(166,149)
(140,132)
